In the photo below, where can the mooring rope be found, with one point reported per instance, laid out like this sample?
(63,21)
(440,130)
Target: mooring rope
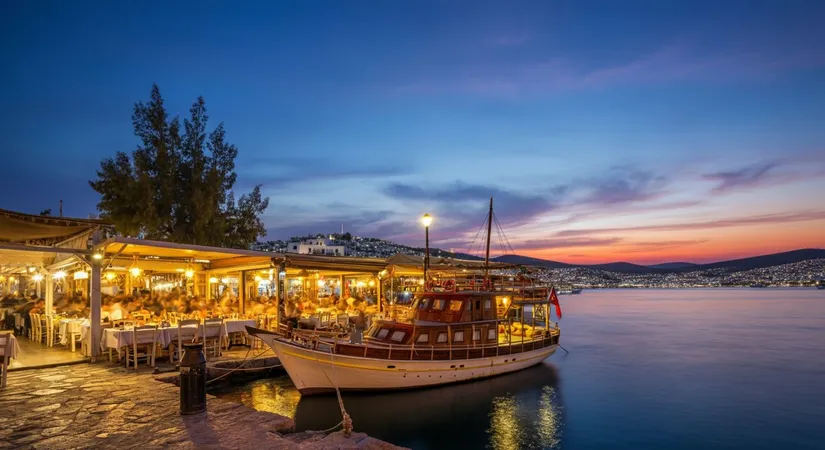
(346,419)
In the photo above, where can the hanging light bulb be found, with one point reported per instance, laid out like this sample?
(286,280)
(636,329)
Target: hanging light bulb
(110,276)
(37,277)
(189,273)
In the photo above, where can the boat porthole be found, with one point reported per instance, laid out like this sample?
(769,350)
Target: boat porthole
(452,367)
(390,367)
(461,365)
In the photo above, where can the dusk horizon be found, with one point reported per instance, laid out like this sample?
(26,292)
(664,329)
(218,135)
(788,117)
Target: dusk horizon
(670,133)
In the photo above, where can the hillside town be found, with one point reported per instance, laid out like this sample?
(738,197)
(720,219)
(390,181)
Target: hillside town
(802,273)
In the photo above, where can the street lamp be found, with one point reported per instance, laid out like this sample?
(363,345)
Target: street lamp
(426,221)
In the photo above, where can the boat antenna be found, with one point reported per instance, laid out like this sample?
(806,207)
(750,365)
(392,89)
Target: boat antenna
(489,230)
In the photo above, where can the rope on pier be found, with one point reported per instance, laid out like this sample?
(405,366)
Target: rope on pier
(346,420)
(240,367)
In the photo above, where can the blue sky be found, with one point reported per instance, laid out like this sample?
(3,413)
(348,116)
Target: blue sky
(585,120)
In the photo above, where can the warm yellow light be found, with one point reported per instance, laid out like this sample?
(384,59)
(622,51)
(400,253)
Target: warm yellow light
(321,283)
(97,256)
(189,273)
(421,282)
(37,277)
(427,220)
(11,278)
(225,280)
(59,274)
(372,283)
(135,271)
(110,276)
(213,280)
(382,273)
(32,269)
(258,278)
(179,270)
(360,284)
(505,300)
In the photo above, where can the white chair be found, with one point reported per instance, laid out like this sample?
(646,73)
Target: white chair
(145,341)
(38,330)
(188,331)
(5,355)
(213,336)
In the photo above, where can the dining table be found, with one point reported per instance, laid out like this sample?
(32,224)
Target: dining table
(14,347)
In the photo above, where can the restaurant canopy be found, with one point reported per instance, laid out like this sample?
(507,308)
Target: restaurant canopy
(27,240)
(413,265)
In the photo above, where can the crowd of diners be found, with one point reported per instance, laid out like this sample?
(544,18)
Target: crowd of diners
(159,305)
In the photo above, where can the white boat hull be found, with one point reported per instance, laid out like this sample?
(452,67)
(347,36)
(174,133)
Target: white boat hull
(315,372)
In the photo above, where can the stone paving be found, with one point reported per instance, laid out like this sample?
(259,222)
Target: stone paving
(98,406)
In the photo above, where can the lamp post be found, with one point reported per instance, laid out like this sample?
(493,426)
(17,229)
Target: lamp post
(426,221)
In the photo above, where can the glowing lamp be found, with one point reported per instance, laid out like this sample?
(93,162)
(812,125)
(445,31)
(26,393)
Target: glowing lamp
(189,273)
(81,275)
(213,280)
(59,274)
(427,220)
(110,276)
(37,277)
(135,271)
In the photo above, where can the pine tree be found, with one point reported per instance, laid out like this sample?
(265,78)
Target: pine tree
(177,185)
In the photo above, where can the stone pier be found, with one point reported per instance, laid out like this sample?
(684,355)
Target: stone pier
(94,406)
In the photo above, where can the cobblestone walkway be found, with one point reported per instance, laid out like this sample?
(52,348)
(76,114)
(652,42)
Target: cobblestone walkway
(94,406)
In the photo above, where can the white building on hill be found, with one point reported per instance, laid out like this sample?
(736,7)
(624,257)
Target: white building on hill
(316,247)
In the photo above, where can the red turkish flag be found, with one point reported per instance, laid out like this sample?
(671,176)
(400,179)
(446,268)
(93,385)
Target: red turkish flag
(554,300)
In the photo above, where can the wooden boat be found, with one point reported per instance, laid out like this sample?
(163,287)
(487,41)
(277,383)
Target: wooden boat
(463,331)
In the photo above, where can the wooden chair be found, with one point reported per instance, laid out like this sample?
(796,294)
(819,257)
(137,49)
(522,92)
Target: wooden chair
(188,331)
(38,330)
(5,355)
(142,340)
(50,330)
(213,336)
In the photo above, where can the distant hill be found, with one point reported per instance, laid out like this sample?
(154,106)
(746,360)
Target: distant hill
(760,262)
(528,261)
(674,266)
(755,262)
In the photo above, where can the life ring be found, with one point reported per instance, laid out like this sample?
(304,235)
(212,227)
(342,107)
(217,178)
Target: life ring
(449,285)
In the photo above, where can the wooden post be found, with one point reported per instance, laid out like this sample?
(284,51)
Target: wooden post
(242,293)
(49,293)
(379,292)
(94,345)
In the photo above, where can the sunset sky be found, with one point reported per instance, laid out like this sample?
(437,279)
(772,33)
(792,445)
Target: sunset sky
(606,131)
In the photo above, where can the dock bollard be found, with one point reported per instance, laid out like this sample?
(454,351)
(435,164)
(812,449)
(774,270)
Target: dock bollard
(193,380)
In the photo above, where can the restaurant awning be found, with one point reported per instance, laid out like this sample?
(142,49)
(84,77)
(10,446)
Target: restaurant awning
(43,230)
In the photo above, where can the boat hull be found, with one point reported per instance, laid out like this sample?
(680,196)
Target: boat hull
(318,372)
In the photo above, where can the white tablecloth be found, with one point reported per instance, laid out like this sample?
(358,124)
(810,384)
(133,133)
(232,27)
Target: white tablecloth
(14,347)
(69,327)
(116,338)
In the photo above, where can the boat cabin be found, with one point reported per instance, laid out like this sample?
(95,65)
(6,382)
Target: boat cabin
(454,307)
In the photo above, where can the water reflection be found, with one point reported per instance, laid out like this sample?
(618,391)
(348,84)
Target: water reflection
(520,410)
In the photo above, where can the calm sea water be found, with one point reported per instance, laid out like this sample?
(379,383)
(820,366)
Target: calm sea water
(664,369)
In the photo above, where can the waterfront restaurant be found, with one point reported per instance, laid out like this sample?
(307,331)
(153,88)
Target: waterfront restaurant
(73,283)
(88,282)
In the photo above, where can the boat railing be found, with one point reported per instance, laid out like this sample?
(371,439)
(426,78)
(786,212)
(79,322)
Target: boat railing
(333,343)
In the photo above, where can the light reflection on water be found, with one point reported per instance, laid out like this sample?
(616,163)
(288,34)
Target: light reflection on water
(517,411)
(648,369)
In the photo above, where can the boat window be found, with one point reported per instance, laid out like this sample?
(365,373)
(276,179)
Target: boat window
(439,304)
(398,336)
(476,335)
(383,333)
(488,304)
(442,337)
(455,305)
(458,336)
(423,338)
(491,334)
(423,303)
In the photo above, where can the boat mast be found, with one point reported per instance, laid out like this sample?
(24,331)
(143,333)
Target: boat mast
(489,230)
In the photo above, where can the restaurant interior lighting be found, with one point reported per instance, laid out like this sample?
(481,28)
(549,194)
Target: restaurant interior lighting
(97,256)
(225,280)
(110,276)
(135,271)
(32,269)
(258,278)
(60,274)
(213,280)
(372,283)
(189,273)
(37,277)
(321,283)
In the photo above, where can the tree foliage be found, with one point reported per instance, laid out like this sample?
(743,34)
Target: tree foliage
(178,184)
(46,212)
